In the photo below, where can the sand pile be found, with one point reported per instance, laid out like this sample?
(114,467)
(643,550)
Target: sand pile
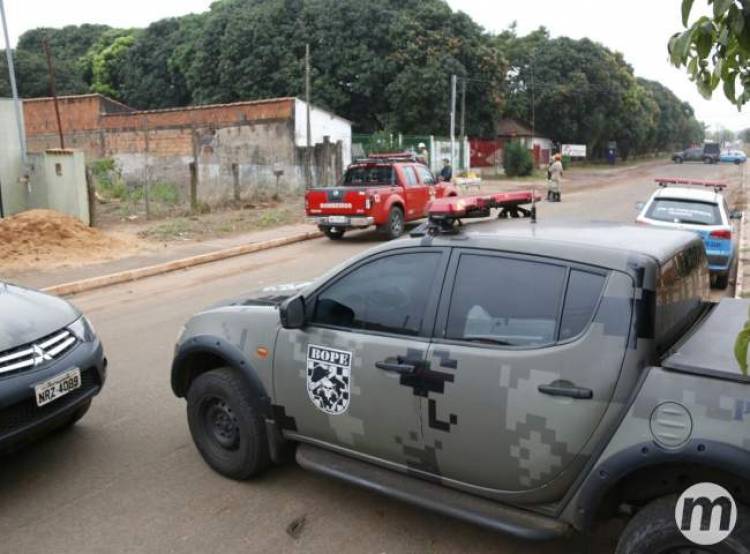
(43,239)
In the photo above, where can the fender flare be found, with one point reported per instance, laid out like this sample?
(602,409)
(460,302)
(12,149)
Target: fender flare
(395,199)
(207,344)
(610,472)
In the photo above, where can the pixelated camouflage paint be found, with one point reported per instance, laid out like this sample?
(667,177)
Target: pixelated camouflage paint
(380,408)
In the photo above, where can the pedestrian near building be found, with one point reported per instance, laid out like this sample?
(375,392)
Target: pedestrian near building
(423,154)
(555,176)
(446,174)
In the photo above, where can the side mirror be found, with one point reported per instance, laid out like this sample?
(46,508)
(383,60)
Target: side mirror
(736,214)
(639,206)
(292,313)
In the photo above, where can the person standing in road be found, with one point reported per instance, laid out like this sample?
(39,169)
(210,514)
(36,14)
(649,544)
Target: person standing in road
(555,176)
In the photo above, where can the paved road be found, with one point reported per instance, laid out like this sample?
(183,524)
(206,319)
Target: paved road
(128,479)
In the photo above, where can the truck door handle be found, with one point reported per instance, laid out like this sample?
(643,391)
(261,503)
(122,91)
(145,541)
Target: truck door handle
(566,388)
(403,367)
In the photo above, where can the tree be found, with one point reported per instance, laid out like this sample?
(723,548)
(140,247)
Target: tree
(382,64)
(517,160)
(584,93)
(744,135)
(716,49)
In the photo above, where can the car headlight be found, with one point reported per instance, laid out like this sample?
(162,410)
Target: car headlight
(83,329)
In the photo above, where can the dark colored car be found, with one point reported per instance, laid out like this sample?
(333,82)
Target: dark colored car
(709,153)
(533,379)
(51,364)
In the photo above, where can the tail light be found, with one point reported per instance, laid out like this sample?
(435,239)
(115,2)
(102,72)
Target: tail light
(368,203)
(721,234)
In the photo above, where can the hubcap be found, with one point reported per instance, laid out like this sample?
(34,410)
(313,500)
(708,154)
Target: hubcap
(396,223)
(221,423)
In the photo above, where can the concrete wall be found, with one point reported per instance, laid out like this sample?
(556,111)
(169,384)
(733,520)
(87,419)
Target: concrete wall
(256,146)
(11,165)
(323,124)
(58,182)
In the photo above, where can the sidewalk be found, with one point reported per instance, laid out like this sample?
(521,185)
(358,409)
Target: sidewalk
(742,288)
(162,254)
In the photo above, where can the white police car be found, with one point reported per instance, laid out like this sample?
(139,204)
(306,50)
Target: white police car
(701,207)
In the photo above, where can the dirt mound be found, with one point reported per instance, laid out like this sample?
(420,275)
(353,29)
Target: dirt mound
(43,239)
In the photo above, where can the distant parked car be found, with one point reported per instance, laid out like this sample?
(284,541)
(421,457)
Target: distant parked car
(708,153)
(702,210)
(51,364)
(733,156)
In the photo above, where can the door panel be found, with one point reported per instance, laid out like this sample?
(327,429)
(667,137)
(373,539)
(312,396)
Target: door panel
(381,416)
(492,426)
(417,194)
(341,379)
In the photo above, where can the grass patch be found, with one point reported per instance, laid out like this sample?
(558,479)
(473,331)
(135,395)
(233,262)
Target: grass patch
(227,222)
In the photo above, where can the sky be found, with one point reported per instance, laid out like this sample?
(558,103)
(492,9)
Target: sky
(639,29)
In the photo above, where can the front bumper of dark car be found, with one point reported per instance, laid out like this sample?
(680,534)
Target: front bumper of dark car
(20,417)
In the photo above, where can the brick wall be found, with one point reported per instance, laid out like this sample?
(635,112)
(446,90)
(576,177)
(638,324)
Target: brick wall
(158,145)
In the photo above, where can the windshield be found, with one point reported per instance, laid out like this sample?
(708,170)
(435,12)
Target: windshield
(684,211)
(368,174)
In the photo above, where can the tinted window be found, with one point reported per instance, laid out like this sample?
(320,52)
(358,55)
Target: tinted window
(389,294)
(584,290)
(684,211)
(369,174)
(411,177)
(505,301)
(425,175)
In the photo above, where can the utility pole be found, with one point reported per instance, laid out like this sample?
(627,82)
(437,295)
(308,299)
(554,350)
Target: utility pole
(453,119)
(533,104)
(53,91)
(462,134)
(308,153)
(13,87)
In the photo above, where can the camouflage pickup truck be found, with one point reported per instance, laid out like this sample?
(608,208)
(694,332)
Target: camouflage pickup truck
(535,380)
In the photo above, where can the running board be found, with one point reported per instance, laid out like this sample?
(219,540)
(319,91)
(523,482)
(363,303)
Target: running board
(431,496)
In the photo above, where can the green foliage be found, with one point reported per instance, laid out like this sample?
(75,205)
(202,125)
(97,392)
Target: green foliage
(744,135)
(583,93)
(715,49)
(380,64)
(68,47)
(517,160)
(106,60)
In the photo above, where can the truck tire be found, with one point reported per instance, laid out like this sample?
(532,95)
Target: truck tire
(708,160)
(333,233)
(226,424)
(394,227)
(677,160)
(653,530)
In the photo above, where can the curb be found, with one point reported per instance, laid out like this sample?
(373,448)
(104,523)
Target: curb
(92,283)
(743,235)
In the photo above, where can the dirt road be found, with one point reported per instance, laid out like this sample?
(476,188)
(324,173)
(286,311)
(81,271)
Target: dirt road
(128,479)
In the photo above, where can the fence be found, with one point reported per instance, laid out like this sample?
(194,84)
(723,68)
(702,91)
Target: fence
(438,148)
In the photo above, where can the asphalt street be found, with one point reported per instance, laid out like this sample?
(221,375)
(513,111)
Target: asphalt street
(127,478)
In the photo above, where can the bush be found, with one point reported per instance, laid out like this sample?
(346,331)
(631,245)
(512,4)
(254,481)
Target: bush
(517,160)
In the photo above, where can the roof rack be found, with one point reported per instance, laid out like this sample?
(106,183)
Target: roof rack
(664,182)
(445,214)
(391,157)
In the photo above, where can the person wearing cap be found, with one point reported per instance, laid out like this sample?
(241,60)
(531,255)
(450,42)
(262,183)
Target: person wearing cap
(423,153)
(555,176)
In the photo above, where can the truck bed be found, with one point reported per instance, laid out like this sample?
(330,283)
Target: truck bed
(710,348)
